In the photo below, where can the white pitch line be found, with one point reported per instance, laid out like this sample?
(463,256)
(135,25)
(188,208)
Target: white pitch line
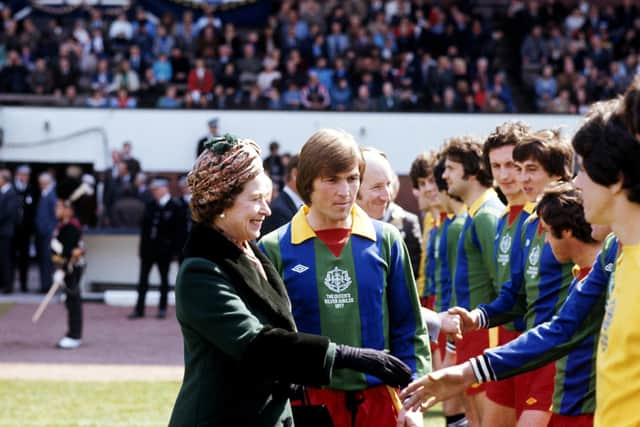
(89,372)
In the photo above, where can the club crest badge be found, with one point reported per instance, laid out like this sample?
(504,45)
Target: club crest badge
(337,280)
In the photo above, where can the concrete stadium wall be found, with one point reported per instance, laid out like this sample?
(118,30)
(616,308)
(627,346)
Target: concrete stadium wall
(165,140)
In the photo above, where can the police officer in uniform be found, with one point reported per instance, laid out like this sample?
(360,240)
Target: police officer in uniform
(213,132)
(159,239)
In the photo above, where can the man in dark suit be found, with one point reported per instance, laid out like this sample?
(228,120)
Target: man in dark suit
(285,206)
(8,221)
(27,201)
(213,132)
(186,221)
(159,239)
(45,224)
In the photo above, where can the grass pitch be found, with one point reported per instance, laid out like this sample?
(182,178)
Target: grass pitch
(99,404)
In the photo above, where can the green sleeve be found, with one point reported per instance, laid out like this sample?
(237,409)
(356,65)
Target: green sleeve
(453,235)
(485,224)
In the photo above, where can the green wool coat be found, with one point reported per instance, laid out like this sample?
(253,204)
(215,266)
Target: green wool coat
(241,350)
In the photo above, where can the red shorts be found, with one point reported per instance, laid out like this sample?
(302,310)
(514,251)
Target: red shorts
(472,344)
(557,420)
(503,392)
(534,389)
(440,348)
(376,406)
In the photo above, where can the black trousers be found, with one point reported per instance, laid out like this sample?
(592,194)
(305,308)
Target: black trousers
(6,266)
(20,254)
(43,246)
(143,284)
(74,303)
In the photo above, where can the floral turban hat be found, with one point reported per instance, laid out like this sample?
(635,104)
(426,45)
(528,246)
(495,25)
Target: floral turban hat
(226,164)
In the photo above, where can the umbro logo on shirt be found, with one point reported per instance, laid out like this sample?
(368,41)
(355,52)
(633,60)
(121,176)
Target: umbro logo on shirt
(300,268)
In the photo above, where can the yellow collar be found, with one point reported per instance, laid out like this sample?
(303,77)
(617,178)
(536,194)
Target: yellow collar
(360,224)
(475,206)
(529,207)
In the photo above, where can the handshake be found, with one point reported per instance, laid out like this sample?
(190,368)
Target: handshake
(389,369)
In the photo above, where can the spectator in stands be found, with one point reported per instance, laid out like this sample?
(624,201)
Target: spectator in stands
(179,65)
(337,41)
(121,28)
(363,101)
(97,100)
(546,87)
(341,95)
(71,98)
(248,66)
(268,75)
(388,101)
(208,19)
(314,96)
(534,49)
(13,77)
(163,42)
(186,32)
(291,97)
(41,79)
(200,81)
(137,61)
(206,45)
(144,41)
(162,70)
(102,79)
(501,90)
(122,100)
(125,78)
(97,44)
(169,99)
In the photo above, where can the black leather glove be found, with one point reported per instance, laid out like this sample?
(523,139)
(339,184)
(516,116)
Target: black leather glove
(388,368)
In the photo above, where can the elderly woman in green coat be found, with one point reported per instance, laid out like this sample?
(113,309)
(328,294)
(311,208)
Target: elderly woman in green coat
(242,352)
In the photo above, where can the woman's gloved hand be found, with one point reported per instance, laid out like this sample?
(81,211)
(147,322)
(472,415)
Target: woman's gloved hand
(388,368)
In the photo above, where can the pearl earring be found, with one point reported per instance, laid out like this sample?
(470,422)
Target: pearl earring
(221,215)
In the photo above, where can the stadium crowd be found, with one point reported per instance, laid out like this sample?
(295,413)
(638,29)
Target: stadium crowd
(310,55)
(575,54)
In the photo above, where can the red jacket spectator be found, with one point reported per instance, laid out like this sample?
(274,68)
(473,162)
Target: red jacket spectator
(200,78)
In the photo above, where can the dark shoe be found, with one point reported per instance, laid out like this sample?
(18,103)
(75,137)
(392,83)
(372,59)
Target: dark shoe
(135,315)
(7,291)
(161,314)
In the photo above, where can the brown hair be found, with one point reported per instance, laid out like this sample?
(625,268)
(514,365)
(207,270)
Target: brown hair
(467,150)
(508,133)
(560,206)
(422,167)
(326,152)
(554,154)
(207,212)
